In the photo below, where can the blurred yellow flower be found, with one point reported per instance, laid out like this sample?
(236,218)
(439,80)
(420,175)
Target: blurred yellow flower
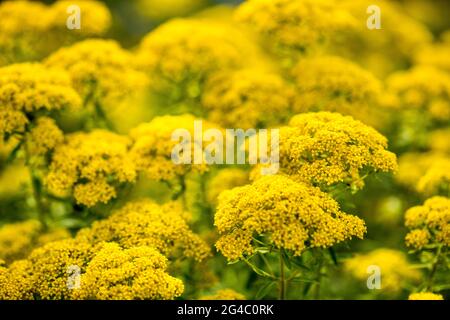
(224,294)
(225,179)
(425,296)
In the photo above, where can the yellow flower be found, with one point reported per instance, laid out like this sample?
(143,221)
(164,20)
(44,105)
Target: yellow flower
(425,296)
(292,215)
(429,223)
(224,294)
(325,148)
(18,239)
(91,166)
(100,69)
(424,89)
(436,178)
(32,30)
(439,140)
(394,267)
(16,282)
(127,274)
(44,136)
(181,54)
(328,83)
(225,179)
(247,98)
(294,25)
(435,55)
(161,10)
(29,90)
(144,223)
(153,145)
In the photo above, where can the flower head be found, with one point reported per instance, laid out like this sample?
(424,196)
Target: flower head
(393,264)
(144,223)
(429,223)
(224,294)
(90,166)
(128,274)
(292,215)
(324,149)
(425,296)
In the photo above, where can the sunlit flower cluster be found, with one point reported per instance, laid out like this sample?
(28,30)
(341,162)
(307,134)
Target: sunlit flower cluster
(90,166)
(429,223)
(144,223)
(425,296)
(395,270)
(127,274)
(224,294)
(292,215)
(326,148)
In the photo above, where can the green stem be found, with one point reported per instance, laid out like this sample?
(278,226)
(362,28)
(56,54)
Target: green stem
(434,267)
(319,278)
(282,283)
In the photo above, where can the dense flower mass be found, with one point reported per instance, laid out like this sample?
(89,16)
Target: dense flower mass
(326,148)
(29,90)
(247,98)
(90,166)
(290,214)
(328,83)
(144,223)
(224,294)
(100,69)
(297,25)
(429,223)
(395,270)
(24,39)
(127,274)
(425,296)
(423,89)
(153,145)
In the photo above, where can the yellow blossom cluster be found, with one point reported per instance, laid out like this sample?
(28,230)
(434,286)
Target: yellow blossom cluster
(426,173)
(153,145)
(144,223)
(90,166)
(225,179)
(181,54)
(422,88)
(224,294)
(329,83)
(425,296)
(435,55)
(439,140)
(44,136)
(100,69)
(429,223)
(127,274)
(161,10)
(395,270)
(30,90)
(294,25)
(247,98)
(326,148)
(18,239)
(31,30)
(292,215)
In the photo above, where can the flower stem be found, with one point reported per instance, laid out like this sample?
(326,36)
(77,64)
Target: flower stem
(282,284)
(434,267)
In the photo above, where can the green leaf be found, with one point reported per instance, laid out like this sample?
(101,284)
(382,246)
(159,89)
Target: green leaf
(299,264)
(264,290)
(333,255)
(259,271)
(286,259)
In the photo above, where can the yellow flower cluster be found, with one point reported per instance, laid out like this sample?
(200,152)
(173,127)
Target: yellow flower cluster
(91,166)
(161,10)
(180,54)
(127,274)
(100,69)
(435,55)
(16,281)
(144,223)
(247,98)
(18,239)
(429,223)
(225,179)
(292,215)
(380,51)
(29,88)
(326,148)
(328,83)
(297,25)
(44,136)
(224,294)
(31,30)
(426,173)
(152,146)
(394,267)
(439,140)
(425,296)
(422,88)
